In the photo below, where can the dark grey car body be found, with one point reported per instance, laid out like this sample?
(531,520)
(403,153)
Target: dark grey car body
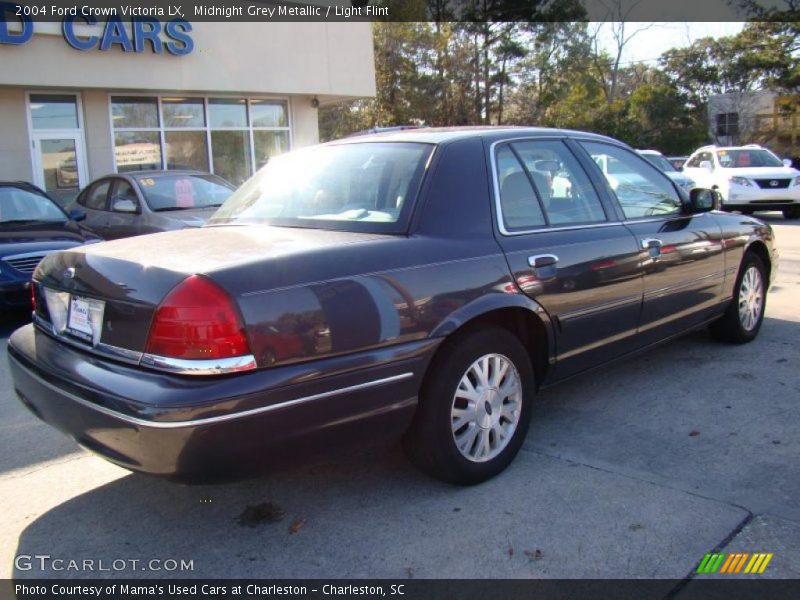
(109,222)
(365,313)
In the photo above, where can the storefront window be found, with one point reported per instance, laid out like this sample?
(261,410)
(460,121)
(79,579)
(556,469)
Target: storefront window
(134,112)
(230,151)
(186,150)
(268,113)
(231,136)
(227,112)
(137,151)
(183,112)
(267,144)
(54,111)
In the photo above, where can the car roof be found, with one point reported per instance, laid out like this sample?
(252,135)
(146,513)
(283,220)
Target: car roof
(443,135)
(154,174)
(650,152)
(161,173)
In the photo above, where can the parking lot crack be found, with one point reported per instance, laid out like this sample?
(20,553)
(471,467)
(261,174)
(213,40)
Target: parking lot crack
(639,478)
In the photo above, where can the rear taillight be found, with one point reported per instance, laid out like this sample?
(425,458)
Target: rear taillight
(197,321)
(33,296)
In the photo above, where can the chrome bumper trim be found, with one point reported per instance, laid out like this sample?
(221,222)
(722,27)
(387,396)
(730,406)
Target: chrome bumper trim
(219,366)
(215,419)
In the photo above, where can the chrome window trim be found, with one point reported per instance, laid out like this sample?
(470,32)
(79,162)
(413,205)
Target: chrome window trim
(215,419)
(496,188)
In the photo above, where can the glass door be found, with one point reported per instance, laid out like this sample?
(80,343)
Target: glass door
(58,165)
(57,145)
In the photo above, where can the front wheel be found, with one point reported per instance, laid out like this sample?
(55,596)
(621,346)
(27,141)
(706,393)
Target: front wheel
(474,407)
(742,320)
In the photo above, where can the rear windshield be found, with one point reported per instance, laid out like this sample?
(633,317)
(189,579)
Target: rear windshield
(184,191)
(368,186)
(18,205)
(741,159)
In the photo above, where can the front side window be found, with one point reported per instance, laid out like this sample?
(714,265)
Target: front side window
(353,187)
(641,190)
(20,205)
(95,198)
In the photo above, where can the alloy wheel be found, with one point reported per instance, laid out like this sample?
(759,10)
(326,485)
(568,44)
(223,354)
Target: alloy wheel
(486,407)
(751,298)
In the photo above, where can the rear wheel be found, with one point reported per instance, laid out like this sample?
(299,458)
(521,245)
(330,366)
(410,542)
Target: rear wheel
(474,407)
(793,212)
(742,320)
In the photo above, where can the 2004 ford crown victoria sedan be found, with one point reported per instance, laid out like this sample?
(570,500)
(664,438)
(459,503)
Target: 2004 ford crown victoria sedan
(421,284)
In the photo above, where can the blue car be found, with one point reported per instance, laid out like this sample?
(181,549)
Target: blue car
(31,226)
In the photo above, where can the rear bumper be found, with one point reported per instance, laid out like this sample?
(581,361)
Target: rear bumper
(216,427)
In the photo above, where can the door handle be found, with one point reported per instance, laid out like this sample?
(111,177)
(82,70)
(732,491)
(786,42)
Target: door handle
(649,243)
(542,260)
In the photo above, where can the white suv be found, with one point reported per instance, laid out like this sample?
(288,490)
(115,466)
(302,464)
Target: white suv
(749,178)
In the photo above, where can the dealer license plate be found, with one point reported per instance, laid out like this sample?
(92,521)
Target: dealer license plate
(85,318)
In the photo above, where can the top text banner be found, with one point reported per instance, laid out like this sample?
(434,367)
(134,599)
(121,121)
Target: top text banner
(12,12)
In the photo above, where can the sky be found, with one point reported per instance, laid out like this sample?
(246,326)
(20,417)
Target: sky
(652,39)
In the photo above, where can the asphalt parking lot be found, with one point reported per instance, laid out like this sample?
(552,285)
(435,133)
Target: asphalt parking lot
(636,470)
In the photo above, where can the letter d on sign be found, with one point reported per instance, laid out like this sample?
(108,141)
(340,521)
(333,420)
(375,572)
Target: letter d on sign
(6,37)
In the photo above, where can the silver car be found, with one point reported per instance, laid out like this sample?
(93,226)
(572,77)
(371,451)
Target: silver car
(128,204)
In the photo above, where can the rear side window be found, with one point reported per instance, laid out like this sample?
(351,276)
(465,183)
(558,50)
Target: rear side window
(95,197)
(541,183)
(641,189)
(563,186)
(518,202)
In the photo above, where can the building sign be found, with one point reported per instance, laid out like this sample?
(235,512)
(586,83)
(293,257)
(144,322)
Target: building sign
(137,35)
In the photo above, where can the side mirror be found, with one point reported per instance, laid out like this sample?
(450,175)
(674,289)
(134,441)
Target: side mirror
(787,162)
(124,206)
(703,200)
(706,164)
(76,214)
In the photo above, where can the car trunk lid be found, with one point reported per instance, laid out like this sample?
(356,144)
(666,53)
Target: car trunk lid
(119,284)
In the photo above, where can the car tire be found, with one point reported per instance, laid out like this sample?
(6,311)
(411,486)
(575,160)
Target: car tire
(742,319)
(460,440)
(792,212)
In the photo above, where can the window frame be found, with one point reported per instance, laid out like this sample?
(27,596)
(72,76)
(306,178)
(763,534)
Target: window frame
(608,204)
(644,218)
(162,129)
